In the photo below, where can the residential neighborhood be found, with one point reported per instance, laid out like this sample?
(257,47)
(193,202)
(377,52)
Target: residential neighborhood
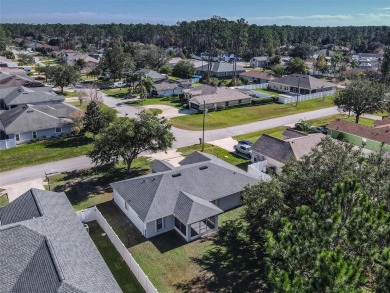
(141,153)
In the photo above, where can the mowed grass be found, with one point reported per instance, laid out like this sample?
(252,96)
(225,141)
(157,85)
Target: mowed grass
(116,93)
(118,267)
(89,187)
(277,131)
(166,259)
(45,151)
(168,101)
(220,153)
(3,200)
(244,115)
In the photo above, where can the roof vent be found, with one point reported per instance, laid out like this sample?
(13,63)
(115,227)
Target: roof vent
(30,111)
(176,175)
(203,167)
(25,93)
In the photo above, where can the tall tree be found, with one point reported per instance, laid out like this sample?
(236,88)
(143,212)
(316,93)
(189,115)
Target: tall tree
(94,119)
(363,97)
(296,65)
(240,37)
(62,75)
(127,138)
(184,69)
(385,67)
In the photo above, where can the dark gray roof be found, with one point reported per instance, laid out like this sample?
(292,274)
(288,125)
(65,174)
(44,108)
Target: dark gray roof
(25,118)
(273,148)
(153,74)
(190,209)
(221,67)
(23,95)
(305,81)
(161,166)
(195,157)
(291,133)
(154,196)
(52,252)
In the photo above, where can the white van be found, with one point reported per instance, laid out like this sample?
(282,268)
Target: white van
(119,84)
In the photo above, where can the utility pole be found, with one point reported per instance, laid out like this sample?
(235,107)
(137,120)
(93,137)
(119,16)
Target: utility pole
(299,80)
(204,119)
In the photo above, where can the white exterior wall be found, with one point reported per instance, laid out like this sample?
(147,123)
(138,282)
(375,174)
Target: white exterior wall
(169,224)
(131,214)
(279,87)
(44,133)
(270,162)
(230,201)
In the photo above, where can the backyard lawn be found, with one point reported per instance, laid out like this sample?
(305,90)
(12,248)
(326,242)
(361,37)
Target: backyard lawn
(166,259)
(267,91)
(243,115)
(118,267)
(90,187)
(45,151)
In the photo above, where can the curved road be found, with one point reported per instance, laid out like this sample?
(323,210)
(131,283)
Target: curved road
(183,138)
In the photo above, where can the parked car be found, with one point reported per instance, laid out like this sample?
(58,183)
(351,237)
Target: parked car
(243,149)
(105,87)
(119,84)
(246,142)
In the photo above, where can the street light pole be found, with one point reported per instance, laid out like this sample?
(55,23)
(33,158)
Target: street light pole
(299,80)
(204,119)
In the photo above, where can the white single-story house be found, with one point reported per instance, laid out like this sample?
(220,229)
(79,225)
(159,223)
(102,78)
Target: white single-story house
(257,76)
(220,70)
(261,61)
(167,89)
(186,199)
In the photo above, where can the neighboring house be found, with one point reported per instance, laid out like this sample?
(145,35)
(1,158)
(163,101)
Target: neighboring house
(323,52)
(157,77)
(91,61)
(220,70)
(28,122)
(274,152)
(167,89)
(215,98)
(15,96)
(261,61)
(17,79)
(187,199)
(307,84)
(257,76)
(45,248)
(7,63)
(174,61)
(368,60)
(371,138)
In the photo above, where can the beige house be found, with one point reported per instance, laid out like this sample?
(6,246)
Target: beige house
(215,98)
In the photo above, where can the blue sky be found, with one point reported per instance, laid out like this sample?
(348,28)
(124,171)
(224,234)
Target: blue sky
(263,12)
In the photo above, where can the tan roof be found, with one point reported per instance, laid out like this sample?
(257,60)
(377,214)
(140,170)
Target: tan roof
(302,146)
(217,95)
(258,74)
(381,134)
(382,123)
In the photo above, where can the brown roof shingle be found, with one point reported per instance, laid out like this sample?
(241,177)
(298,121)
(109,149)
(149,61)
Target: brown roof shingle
(258,74)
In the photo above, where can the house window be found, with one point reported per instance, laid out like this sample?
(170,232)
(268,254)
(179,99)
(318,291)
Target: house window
(58,130)
(17,137)
(34,134)
(126,205)
(159,224)
(181,227)
(239,101)
(226,104)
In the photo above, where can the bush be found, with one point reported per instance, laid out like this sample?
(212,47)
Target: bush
(166,69)
(262,101)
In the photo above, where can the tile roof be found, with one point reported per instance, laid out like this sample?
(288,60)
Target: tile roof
(52,252)
(25,118)
(258,74)
(156,195)
(221,67)
(381,134)
(305,81)
(282,150)
(211,94)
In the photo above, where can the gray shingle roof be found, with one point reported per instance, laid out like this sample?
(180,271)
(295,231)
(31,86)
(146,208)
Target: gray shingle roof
(291,133)
(25,118)
(305,81)
(161,166)
(195,157)
(190,209)
(154,196)
(209,94)
(153,74)
(52,252)
(273,148)
(23,95)
(166,86)
(221,67)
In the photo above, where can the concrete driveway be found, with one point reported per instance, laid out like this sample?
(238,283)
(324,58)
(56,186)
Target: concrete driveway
(225,143)
(15,190)
(169,111)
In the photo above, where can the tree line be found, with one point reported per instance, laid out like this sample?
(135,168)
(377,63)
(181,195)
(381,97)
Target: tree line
(202,35)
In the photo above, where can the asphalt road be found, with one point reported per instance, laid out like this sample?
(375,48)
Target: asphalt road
(183,138)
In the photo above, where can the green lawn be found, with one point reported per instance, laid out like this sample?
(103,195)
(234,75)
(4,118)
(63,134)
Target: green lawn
(43,152)
(166,259)
(3,200)
(196,84)
(118,267)
(90,187)
(168,101)
(116,93)
(267,91)
(221,153)
(67,94)
(248,114)
(277,131)
(84,105)
(154,111)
